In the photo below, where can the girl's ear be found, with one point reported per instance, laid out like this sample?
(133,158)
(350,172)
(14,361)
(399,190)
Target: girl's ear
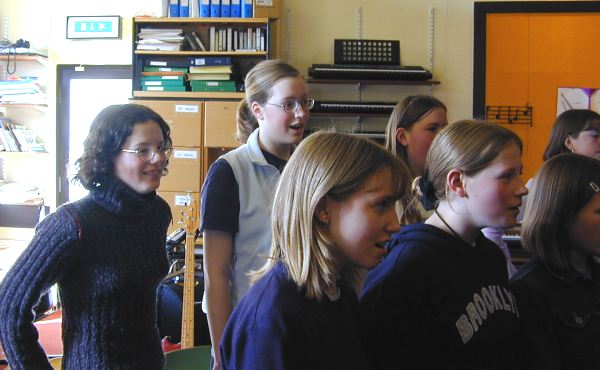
(402,136)
(456,183)
(569,142)
(257,110)
(321,213)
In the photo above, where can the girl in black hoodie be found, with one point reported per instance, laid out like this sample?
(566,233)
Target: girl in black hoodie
(440,298)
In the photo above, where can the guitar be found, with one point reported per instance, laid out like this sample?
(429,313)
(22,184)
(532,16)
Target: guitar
(191,221)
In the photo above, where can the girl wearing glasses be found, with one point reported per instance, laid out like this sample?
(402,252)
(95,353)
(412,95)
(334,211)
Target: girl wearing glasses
(106,252)
(558,291)
(238,190)
(333,213)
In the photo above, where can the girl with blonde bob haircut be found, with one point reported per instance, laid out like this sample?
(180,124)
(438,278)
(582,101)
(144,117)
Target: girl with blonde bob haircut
(333,213)
(440,284)
(558,290)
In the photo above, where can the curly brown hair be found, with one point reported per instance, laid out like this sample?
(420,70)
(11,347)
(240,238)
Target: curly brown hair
(108,131)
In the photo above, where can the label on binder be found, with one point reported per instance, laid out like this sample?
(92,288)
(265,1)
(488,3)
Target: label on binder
(180,108)
(185,154)
(264,2)
(182,200)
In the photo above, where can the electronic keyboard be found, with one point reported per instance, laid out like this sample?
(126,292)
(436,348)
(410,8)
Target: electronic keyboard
(368,72)
(351,107)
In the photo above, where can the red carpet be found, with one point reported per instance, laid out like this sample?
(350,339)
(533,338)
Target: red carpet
(49,330)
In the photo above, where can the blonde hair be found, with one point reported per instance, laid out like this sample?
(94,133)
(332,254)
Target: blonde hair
(258,84)
(405,114)
(326,164)
(560,190)
(467,145)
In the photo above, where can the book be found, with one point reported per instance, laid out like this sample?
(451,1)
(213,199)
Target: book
(162,78)
(203,83)
(9,137)
(24,137)
(159,46)
(162,83)
(163,88)
(160,39)
(193,45)
(209,61)
(165,69)
(211,69)
(198,41)
(163,73)
(214,89)
(208,76)
(166,62)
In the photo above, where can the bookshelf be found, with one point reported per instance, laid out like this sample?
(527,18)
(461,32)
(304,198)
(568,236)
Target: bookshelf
(26,177)
(203,123)
(242,57)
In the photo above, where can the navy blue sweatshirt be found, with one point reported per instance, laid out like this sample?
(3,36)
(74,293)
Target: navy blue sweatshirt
(560,316)
(107,254)
(437,302)
(275,327)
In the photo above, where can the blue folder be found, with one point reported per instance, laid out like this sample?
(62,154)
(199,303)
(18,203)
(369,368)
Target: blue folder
(184,8)
(225,8)
(204,6)
(173,8)
(215,8)
(236,11)
(246,8)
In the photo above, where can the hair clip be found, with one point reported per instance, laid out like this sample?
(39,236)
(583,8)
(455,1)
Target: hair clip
(594,186)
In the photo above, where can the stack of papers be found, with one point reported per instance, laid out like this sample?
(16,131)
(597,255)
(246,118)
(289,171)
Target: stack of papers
(167,39)
(21,90)
(19,193)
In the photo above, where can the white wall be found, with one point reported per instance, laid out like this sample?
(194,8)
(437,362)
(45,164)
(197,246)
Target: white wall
(309,28)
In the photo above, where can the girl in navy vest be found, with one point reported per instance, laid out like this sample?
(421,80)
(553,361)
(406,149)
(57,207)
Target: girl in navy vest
(238,190)
(558,291)
(333,213)
(440,298)
(106,252)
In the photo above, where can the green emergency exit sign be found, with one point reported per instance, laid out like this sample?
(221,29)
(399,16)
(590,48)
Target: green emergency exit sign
(94,27)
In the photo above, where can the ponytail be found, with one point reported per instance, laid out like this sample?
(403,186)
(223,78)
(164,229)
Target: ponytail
(246,122)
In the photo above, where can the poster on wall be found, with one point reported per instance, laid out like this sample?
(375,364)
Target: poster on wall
(577,98)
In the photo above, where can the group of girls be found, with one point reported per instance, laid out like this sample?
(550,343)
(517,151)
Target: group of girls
(441,297)
(290,226)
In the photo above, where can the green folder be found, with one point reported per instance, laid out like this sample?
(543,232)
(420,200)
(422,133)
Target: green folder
(163,88)
(201,83)
(162,78)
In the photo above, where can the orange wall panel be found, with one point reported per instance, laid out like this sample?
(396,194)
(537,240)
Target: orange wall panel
(528,57)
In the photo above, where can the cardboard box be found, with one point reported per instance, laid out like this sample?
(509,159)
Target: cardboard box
(220,124)
(267,9)
(184,119)
(185,169)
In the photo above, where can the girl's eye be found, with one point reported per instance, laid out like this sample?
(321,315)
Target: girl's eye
(385,204)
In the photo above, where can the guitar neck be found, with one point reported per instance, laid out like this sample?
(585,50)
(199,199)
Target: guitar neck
(187,319)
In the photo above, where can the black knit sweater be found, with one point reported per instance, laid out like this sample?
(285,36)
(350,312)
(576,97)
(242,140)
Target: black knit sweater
(107,254)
